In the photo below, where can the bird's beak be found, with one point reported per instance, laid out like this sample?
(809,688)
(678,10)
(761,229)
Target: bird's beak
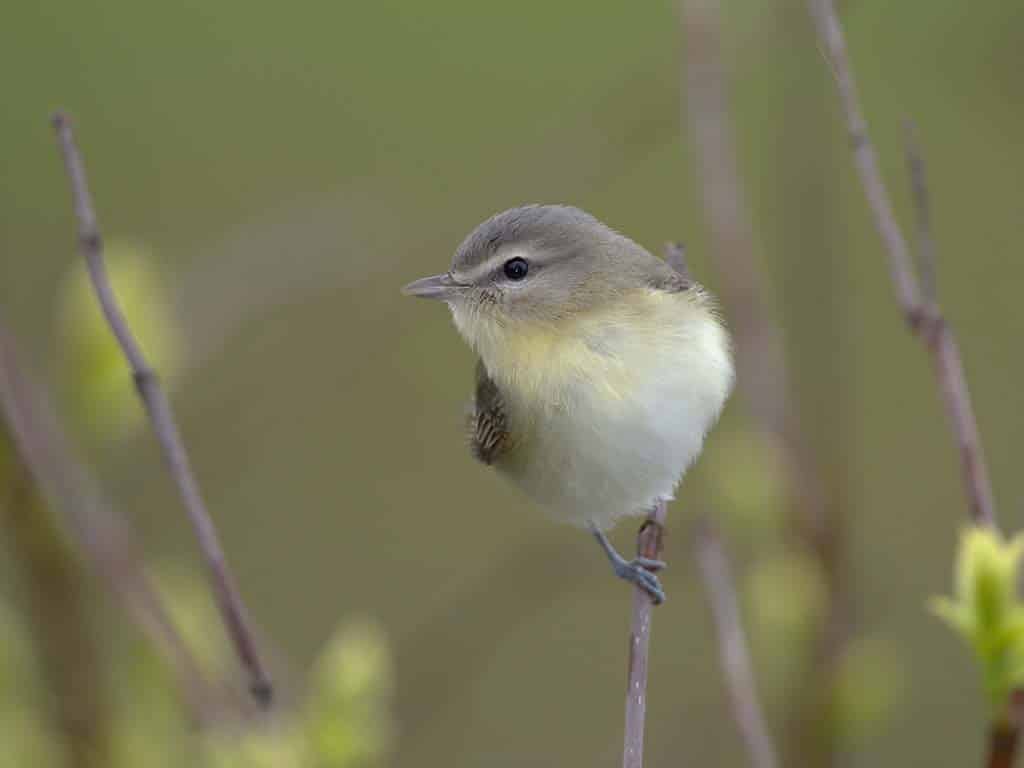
(442,287)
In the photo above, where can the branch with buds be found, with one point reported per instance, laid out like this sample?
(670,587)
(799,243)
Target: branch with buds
(987,611)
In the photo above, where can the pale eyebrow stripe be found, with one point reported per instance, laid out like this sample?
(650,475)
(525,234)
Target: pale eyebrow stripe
(496,259)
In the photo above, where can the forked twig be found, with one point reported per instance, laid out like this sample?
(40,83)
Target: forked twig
(919,303)
(921,311)
(159,410)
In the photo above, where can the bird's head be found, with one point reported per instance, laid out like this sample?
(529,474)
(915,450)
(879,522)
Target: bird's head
(535,268)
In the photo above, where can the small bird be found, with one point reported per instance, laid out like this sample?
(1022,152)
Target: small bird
(600,368)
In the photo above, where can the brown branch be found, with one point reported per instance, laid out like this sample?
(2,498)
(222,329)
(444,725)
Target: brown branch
(649,541)
(732,645)
(1004,735)
(43,451)
(158,407)
(762,375)
(865,157)
(648,544)
(932,328)
(922,314)
(1002,744)
(759,351)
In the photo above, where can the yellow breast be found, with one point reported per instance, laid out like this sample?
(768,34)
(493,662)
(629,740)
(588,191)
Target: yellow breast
(610,348)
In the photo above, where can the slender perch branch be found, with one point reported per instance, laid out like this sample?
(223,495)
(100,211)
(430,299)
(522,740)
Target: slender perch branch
(159,410)
(922,314)
(736,664)
(648,544)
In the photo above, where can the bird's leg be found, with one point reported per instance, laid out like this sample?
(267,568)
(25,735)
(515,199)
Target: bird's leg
(639,570)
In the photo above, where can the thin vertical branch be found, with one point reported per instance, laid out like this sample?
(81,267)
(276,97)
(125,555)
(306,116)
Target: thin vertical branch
(649,542)
(759,354)
(735,655)
(158,407)
(762,375)
(43,452)
(922,315)
(649,545)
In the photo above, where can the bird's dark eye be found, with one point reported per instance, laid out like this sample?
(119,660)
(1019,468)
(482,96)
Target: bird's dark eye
(516,269)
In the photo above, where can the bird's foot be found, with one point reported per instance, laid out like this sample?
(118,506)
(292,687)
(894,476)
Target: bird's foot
(641,572)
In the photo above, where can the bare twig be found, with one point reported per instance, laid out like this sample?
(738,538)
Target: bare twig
(759,351)
(922,314)
(43,451)
(648,544)
(762,375)
(736,664)
(159,410)
(930,325)
(865,157)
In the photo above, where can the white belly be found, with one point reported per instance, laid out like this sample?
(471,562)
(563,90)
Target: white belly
(590,453)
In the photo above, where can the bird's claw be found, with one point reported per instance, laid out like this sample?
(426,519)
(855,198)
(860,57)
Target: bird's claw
(640,571)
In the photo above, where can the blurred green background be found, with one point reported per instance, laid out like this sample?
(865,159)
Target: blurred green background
(284,170)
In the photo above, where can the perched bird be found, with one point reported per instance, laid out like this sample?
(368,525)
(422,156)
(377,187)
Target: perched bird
(600,367)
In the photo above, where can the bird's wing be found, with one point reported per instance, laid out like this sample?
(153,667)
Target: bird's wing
(488,427)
